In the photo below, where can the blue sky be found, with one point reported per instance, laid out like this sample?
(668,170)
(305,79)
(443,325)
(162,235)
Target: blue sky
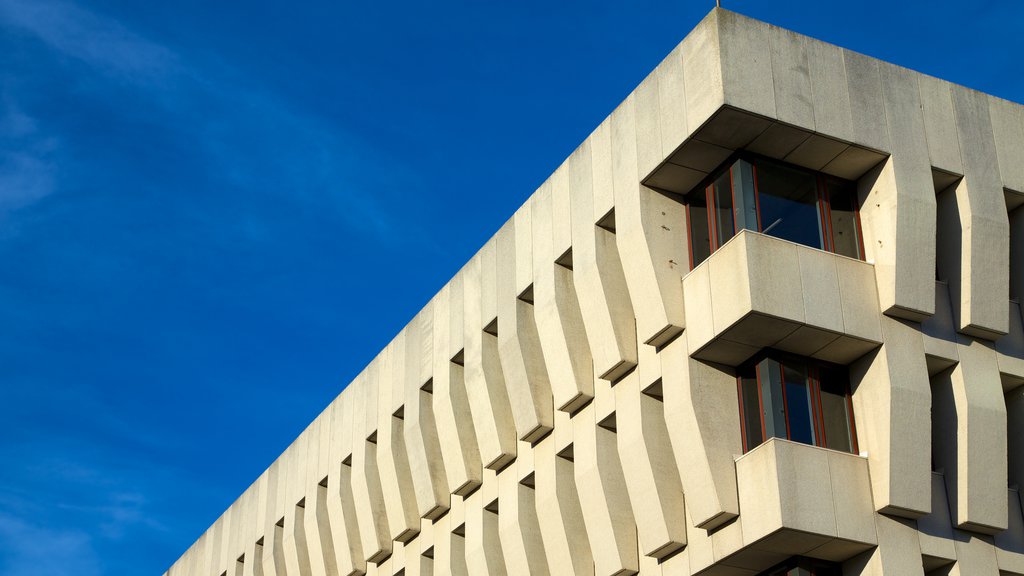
(212,215)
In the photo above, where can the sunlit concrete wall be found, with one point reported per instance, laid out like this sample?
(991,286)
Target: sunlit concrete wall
(567,403)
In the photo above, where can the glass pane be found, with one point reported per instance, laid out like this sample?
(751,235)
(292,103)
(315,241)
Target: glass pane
(842,199)
(700,238)
(834,411)
(745,211)
(770,374)
(789,204)
(751,412)
(722,191)
(798,404)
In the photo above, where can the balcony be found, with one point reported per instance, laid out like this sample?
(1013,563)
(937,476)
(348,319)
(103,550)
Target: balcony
(759,292)
(799,500)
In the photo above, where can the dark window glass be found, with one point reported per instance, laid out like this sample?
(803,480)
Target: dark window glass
(751,412)
(700,236)
(789,204)
(778,200)
(845,235)
(796,399)
(770,373)
(798,404)
(722,194)
(835,415)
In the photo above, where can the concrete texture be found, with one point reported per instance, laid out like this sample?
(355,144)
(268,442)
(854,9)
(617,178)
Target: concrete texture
(568,403)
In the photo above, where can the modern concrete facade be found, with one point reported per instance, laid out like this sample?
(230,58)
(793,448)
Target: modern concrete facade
(578,400)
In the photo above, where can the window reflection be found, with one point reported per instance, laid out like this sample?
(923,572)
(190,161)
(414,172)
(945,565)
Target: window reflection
(783,396)
(776,199)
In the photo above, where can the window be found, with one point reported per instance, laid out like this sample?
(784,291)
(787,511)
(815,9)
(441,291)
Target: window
(777,199)
(784,396)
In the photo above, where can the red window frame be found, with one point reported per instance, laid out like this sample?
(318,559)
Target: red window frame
(817,411)
(823,200)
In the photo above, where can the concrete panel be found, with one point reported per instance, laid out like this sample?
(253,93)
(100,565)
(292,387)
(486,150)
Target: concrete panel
(746,63)
(484,553)
(651,237)
(803,500)
(652,477)
(898,551)
(519,349)
(969,439)
(672,119)
(563,337)
(940,124)
(598,277)
(485,381)
(978,272)
(604,498)
(560,517)
(1009,544)
(974,555)
(601,151)
(374,531)
(702,72)
(892,404)
(939,333)
(649,152)
(703,425)
(935,530)
(864,84)
(829,94)
(518,523)
(791,78)
(451,405)
(1008,133)
(392,456)
(421,439)
(897,211)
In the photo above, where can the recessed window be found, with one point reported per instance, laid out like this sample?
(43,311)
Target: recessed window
(802,400)
(776,199)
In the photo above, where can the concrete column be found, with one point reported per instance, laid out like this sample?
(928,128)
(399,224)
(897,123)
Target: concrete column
(650,234)
(423,446)
(603,496)
(652,477)
(891,406)
(519,347)
(898,552)
(484,554)
(701,411)
(969,437)
(392,459)
(485,381)
(451,404)
(374,531)
(518,523)
(598,277)
(559,319)
(559,513)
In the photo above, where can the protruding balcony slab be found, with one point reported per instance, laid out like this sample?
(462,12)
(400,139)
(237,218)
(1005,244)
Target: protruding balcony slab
(761,292)
(800,500)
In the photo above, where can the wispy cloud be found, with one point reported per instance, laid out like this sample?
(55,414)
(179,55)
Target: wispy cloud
(99,42)
(27,170)
(28,549)
(251,136)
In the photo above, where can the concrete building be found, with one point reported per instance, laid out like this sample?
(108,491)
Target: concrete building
(764,320)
